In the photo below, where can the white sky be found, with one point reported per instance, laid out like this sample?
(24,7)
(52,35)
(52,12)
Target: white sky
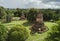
(30,3)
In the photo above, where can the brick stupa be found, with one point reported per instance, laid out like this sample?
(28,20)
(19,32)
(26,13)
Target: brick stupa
(38,26)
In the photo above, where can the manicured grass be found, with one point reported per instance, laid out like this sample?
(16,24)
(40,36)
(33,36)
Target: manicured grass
(36,37)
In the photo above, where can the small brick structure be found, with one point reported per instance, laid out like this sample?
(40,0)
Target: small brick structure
(22,17)
(38,26)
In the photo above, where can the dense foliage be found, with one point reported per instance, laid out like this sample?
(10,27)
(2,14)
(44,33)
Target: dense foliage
(30,14)
(54,35)
(50,14)
(18,13)
(31,17)
(3,33)
(8,17)
(2,12)
(17,33)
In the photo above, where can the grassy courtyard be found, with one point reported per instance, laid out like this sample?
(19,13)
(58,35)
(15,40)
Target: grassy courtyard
(35,37)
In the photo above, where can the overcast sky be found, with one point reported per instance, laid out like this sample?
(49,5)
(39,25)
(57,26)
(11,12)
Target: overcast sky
(30,3)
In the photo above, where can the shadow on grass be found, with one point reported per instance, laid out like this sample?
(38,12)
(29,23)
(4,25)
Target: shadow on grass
(27,24)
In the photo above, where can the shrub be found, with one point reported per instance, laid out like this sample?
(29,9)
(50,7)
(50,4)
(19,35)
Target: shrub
(3,33)
(54,35)
(17,33)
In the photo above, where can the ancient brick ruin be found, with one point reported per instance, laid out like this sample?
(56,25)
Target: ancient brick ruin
(38,26)
(22,16)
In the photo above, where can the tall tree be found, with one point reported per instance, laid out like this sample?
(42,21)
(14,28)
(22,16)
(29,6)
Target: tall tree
(18,13)
(2,12)
(31,17)
(48,14)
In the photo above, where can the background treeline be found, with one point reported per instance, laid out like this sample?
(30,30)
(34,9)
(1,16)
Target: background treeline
(30,14)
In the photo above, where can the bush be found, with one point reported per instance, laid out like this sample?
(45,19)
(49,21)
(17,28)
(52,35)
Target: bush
(17,33)
(54,35)
(3,33)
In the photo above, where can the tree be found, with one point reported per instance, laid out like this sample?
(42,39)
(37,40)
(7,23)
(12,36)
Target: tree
(48,14)
(25,13)
(31,16)
(17,33)
(2,12)
(3,33)
(18,13)
(56,15)
(8,16)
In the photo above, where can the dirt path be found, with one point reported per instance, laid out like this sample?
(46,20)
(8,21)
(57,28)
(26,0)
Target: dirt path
(41,38)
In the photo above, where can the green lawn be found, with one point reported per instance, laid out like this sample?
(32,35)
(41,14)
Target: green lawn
(36,37)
